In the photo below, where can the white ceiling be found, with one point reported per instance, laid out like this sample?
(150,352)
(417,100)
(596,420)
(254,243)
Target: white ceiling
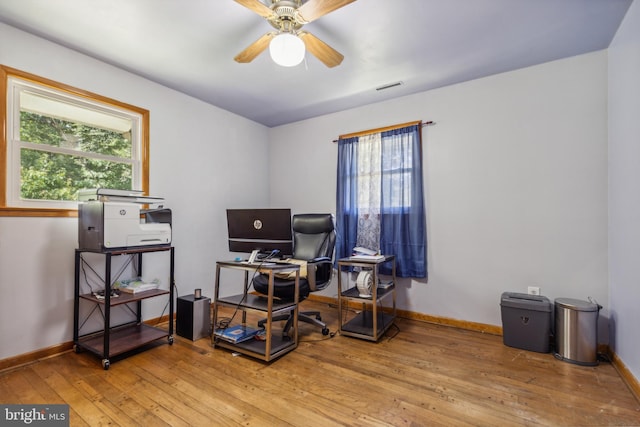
(189,45)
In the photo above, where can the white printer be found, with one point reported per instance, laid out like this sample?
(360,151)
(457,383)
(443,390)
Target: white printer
(106,220)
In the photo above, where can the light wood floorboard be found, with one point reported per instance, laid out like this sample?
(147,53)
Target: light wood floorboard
(419,374)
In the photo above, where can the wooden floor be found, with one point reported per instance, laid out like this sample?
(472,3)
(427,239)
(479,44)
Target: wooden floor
(419,375)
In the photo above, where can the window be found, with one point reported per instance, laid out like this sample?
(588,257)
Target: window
(380,200)
(59,140)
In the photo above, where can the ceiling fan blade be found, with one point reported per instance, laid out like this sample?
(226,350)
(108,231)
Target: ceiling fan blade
(257,7)
(255,49)
(325,53)
(314,9)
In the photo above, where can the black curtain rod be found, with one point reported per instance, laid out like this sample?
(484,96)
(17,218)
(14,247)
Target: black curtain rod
(429,123)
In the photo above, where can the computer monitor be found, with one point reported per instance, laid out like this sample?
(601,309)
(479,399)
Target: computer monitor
(265,230)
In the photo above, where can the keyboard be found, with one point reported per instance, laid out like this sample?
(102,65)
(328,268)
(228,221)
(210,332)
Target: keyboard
(258,263)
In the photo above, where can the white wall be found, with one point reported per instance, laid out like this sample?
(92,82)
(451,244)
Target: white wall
(516,184)
(624,197)
(203,160)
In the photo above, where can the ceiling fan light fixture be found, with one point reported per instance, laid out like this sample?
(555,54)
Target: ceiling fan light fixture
(287,50)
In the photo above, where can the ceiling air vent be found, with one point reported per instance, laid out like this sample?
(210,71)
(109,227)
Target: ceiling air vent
(389,86)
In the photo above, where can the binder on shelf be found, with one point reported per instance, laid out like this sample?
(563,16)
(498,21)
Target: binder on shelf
(237,333)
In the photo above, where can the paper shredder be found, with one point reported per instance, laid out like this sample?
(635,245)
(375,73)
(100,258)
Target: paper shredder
(526,321)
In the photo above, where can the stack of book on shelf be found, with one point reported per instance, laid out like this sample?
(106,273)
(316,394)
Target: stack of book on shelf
(365,254)
(135,286)
(237,333)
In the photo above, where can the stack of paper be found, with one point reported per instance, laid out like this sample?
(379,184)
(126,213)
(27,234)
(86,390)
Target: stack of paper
(366,254)
(135,286)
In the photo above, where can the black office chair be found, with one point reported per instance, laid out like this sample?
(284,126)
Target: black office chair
(313,241)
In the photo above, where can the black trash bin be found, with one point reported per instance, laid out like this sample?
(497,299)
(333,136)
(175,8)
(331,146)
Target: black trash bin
(526,321)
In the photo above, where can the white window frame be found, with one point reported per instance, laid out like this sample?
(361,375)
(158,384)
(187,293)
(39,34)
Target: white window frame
(18,82)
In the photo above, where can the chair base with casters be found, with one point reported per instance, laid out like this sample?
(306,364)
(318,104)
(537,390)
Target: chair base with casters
(311,317)
(317,268)
(313,243)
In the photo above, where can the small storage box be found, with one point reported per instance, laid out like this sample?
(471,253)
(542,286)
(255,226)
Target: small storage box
(193,317)
(526,321)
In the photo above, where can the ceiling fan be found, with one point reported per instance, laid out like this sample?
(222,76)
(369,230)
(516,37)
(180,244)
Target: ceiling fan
(287,45)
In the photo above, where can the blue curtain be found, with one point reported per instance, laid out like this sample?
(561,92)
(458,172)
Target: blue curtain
(347,198)
(403,218)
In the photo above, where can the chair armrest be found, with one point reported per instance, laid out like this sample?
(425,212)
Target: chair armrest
(319,272)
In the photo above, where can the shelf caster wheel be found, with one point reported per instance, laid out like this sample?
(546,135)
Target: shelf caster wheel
(325,331)
(76,349)
(170,339)
(105,364)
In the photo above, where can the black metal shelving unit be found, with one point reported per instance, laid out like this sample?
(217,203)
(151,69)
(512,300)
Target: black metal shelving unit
(111,341)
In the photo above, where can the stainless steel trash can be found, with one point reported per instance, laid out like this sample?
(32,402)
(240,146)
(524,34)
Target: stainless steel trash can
(576,331)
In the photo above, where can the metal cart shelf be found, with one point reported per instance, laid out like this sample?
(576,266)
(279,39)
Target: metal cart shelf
(272,345)
(373,320)
(115,340)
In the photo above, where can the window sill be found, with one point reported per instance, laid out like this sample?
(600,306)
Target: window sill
(31,212)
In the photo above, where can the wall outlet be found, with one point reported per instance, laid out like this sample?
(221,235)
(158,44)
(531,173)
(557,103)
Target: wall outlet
(533,290)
